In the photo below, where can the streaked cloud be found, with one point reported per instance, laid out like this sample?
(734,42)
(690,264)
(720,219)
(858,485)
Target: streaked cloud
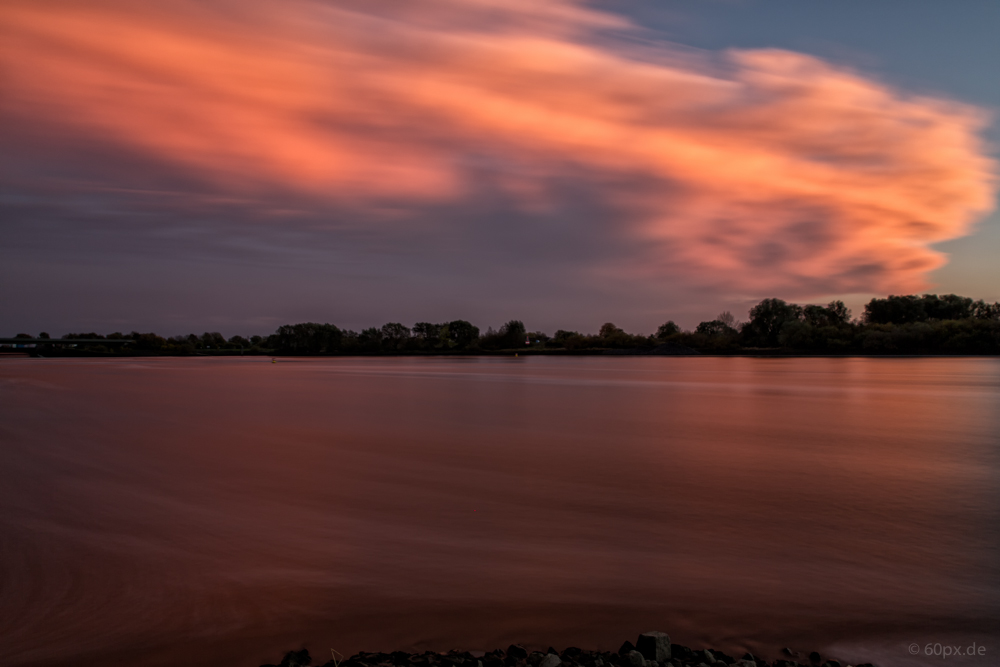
(762,172)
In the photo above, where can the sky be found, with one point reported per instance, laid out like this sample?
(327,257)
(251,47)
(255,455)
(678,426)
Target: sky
(224,165)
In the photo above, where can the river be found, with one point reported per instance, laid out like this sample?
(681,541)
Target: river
(216,511)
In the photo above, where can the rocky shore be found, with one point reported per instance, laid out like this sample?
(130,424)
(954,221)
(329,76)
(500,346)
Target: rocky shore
(651,649)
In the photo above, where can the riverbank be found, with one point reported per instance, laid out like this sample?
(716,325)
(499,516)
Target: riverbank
(678,351)
(651,649)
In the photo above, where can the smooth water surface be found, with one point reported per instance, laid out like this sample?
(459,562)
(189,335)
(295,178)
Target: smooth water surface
(221,511)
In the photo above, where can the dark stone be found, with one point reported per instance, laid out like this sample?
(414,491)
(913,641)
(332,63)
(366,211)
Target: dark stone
(720,656)
(654,646)
(550,660)
(785,663)
(626,647)
(491,660)
(831,663)
(635,659)
(296,659)
(789,652)
(815,657)
(517,652)
(681,652)
(511,661)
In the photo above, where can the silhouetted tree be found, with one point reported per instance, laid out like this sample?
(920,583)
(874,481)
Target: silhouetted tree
(513,333)
(895,310)
(148,341)
(461,334)
(668,329)
(609,330)
(428,335)
(394,335)
(766,320)
(947,307)
(986,311)
(715,328)
(370,340)
(307,338)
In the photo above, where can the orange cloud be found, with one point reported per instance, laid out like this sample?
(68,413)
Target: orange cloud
(767,170)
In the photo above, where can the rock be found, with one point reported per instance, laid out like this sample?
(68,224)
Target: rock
(517,651)
(635,659)
(679,652)
(550,660)
(745,663)
(626,647)
(570,653)
(708,657)
(831,663)
(296,659)
(654,645)
(815,657)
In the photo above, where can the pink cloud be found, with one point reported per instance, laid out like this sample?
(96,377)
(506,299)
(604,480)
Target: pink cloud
(752,170)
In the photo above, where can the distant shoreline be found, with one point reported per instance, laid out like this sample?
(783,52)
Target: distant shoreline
(926,325)
(610,352)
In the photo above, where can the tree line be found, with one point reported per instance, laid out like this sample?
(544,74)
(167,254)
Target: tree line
(911,324)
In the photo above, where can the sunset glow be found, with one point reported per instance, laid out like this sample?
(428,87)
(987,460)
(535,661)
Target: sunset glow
(767,169)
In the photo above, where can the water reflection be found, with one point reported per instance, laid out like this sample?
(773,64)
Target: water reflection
(220,511)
